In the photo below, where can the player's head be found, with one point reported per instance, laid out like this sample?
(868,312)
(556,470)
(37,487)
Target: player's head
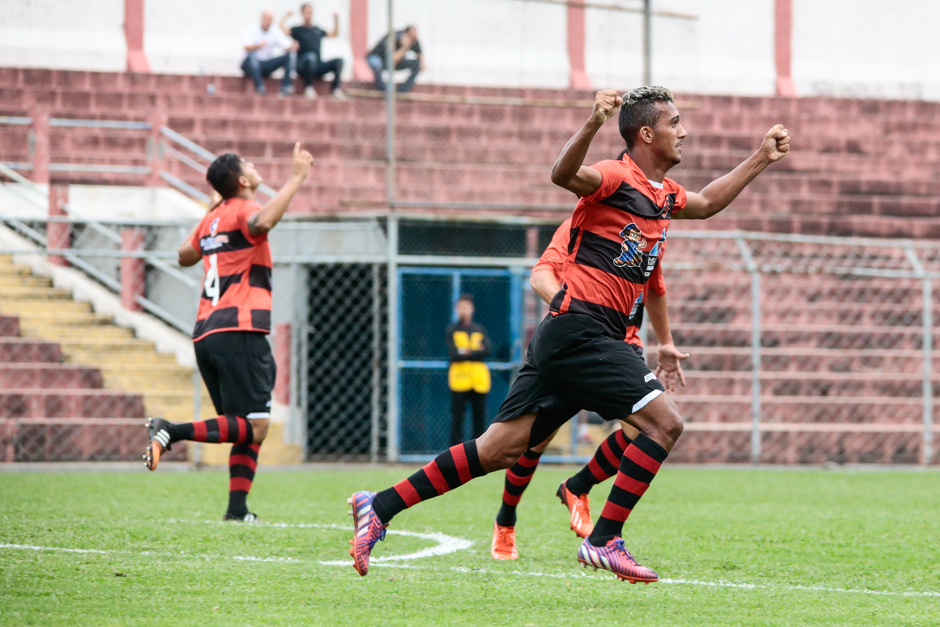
(306,12)
(465,307)
(230,174)
(412,31)
(649,120)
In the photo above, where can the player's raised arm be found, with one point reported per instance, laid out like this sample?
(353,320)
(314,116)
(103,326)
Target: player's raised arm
(266,219)
(568,171)
(720,192)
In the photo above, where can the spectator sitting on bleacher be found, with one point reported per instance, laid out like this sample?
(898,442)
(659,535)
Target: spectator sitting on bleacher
(309,62)
(407,56)
(262,43)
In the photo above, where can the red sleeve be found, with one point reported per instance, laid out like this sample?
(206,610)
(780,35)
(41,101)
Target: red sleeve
(656,283)
(611,178)
(554,256)
(248,209)
(681,196)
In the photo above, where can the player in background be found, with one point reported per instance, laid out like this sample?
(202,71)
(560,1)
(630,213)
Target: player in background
(546,281)
(234,318)
(578,357)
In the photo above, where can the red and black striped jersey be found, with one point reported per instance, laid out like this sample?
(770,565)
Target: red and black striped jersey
(236,292)
(553,260)
(617,236)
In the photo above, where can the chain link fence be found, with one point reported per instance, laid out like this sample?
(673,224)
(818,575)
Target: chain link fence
(804,349)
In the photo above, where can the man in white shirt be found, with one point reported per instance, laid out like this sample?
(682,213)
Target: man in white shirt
(266,50)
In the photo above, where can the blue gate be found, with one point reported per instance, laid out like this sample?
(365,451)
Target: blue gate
(427,297)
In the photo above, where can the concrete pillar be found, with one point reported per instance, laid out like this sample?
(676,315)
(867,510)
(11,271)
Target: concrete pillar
(133,274)
(783,41)
(39,143)
(134,34)
(359,39)
(282,343)
(58,234)
(578,78)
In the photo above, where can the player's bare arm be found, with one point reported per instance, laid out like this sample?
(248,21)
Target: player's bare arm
(721,192)
(545,284)
(568,171)
(188,255)
(669,358)
(335,31)
(266,219)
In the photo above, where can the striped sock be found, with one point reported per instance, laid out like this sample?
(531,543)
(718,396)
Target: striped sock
(234,429)
(518,477)
(242,464)
(641,460)
(451,469)
(602,466)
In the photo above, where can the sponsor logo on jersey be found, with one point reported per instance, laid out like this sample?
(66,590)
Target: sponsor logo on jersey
(631,247)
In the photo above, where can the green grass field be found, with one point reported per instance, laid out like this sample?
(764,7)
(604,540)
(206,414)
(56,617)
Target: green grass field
(734,547)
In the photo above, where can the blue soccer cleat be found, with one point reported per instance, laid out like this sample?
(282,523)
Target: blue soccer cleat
(614,557)
(368,530)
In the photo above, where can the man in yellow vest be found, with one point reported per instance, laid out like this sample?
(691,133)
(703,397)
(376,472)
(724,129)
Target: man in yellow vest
(469,378)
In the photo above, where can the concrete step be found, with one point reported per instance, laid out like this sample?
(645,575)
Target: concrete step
(33,294)
(49,376)
(41,319)
(24,350)
(29,308)
(40,403)
(77,439)
(106,345)
(29,281)
(118,358)
(75,333)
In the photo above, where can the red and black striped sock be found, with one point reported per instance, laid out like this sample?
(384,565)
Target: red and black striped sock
(641,460)
(451,469)
(518,477)
(602,466)
(234,429)
(242,464)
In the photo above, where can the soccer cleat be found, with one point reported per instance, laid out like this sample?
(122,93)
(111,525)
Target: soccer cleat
(248,518)
(504,543)
(579,507)
(368,530)
(158,441)
(614,557)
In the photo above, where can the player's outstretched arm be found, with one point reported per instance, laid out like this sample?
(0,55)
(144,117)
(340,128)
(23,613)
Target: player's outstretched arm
(568,171)
(669,359)
(266,219)
(720,192)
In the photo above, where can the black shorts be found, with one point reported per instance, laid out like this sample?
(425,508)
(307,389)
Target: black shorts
(238,369)
(574,364)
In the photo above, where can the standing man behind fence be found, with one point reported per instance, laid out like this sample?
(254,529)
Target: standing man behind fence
(468,378)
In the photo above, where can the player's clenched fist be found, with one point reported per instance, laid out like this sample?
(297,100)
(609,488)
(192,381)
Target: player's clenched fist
(776,144)
(302,162)
(606,103)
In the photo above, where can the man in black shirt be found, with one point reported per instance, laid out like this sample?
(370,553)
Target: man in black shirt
(309,62)
(468,378)
(405,41)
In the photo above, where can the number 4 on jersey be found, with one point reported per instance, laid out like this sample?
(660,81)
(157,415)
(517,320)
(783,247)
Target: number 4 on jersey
(212,280)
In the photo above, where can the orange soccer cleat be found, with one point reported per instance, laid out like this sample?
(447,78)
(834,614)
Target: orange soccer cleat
(504,543)
(580,509)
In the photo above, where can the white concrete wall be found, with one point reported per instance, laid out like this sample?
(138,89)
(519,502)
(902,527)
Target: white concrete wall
(69,34)
(840,47)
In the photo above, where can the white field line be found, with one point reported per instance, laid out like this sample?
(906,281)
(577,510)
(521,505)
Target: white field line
(449,544)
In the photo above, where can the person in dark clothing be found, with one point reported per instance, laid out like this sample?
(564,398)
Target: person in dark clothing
(405,41)
(468,378)
(310,63)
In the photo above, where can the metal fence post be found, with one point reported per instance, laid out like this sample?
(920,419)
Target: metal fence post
(393,369)
(376,370)
(755,347)
(197,393)
(390,107)
(927,349)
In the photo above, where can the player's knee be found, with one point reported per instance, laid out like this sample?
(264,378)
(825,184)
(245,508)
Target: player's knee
(259,429)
